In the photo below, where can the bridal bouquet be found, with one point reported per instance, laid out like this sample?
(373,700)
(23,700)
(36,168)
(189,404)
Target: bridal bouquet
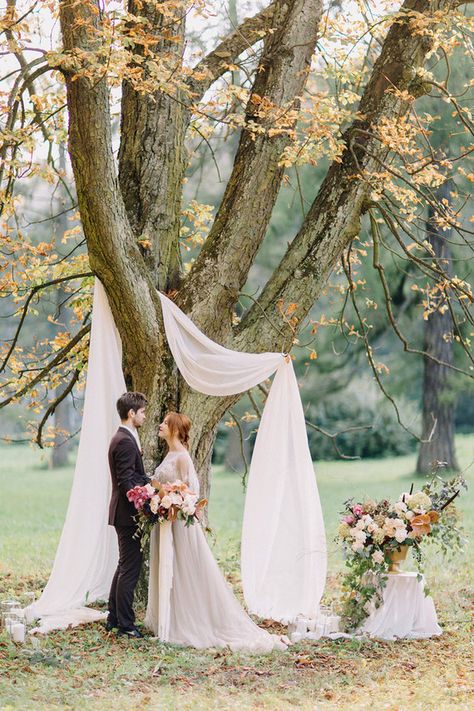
(373,531)
(171,501)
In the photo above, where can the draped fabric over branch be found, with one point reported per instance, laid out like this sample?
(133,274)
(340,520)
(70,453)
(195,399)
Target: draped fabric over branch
(283,540)
(87,554)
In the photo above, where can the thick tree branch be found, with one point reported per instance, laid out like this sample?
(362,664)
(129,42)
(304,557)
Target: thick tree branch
(334,217)
(151,155)
(253,187)
(113,252)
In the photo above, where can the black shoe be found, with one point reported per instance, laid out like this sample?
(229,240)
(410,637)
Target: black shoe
(133,634)
(109,626)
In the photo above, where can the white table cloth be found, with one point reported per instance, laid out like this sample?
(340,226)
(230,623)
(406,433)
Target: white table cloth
(406,612)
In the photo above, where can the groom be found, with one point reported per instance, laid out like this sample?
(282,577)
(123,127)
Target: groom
(126,468)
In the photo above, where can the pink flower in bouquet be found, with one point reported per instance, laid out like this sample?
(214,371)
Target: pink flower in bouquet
(139,494)
(358,509)
(349,519)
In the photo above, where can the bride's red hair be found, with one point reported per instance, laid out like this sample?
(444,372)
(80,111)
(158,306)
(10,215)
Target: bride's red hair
(179,425)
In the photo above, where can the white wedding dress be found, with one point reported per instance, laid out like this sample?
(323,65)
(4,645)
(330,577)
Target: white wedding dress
(189,601)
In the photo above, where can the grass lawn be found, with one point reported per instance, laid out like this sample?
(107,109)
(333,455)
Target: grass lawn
(88,668)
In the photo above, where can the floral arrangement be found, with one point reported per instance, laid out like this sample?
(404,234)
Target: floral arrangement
(170,502)
(371,532)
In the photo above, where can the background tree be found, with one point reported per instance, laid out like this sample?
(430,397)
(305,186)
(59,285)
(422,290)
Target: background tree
(439,400)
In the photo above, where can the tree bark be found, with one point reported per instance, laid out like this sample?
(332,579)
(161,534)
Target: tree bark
(439,402)
(151,156)
(222,267)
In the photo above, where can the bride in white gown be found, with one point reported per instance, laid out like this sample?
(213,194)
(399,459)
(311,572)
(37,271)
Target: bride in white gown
(189,601)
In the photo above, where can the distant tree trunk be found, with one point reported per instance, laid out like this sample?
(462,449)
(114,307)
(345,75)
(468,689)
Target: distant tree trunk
(238,446)
(439,403)
(62,413)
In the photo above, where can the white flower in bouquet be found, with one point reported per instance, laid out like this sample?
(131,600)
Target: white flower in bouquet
(391,525)
(176,498)
(189,504)
(409,515)
(378,557)
(166,501)
(357,546)
(360,524)
(344,530)
(359,535)
(401,534)
(418,502)
(400,507)
(154,503)
(150,489)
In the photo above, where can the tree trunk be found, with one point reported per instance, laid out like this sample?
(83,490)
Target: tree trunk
(439,402)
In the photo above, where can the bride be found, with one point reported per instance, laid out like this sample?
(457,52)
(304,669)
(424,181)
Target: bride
(189,601)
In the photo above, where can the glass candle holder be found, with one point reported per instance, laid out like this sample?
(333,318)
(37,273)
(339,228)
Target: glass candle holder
(7,607)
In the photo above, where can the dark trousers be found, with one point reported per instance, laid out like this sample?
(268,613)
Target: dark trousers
(125,579)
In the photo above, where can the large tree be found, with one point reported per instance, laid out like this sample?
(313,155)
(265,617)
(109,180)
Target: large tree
(130,200)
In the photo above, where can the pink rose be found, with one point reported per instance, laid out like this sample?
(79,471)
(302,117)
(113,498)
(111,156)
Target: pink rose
(349,519)
(358,509)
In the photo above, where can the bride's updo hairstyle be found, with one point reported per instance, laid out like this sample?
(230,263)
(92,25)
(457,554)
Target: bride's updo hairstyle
(179,425)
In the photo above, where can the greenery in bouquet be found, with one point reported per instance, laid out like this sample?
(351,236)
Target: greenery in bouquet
(371,531)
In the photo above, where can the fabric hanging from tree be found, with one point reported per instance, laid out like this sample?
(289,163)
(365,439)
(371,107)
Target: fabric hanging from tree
(283,554)
(283,539)
(87,553)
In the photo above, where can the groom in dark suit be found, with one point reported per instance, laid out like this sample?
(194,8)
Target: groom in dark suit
(126,469)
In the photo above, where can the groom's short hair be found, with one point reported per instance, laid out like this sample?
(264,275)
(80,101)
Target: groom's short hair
(130,401)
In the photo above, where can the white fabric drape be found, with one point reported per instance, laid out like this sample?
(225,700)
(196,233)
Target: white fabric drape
(283,540)
(87,554)
(406,612)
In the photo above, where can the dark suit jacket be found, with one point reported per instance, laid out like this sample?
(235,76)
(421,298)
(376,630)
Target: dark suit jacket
(126,469)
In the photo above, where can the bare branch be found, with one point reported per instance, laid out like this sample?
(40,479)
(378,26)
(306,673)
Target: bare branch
(334,435)
(51,365)
(215,64)
(242,449)
(52,407)
(388,305)
(35,290)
